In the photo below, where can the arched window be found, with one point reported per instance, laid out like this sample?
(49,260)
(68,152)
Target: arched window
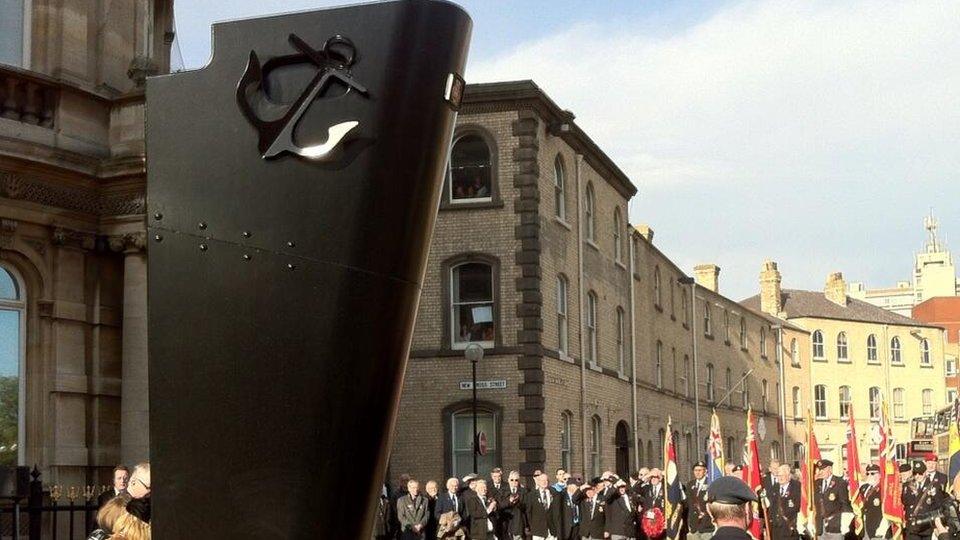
(796,401)
(726,325)
(685,376)
(617,231)
(844,402)
(684,310)
(927,401)
(895,351)
(775,451)
(591,350)
(745,391)
(707,324)
(817,345)
(621,440)
(650,454)
(711,395)
(764,395)
(595,446)
(566,440)
(794,353)
(590,213)
(488,422)
(562,321)
(763,341)
(743,332)
(658,375)
(656,286)
(842,347)
(12,369)
(471,171)
(925,352)
(820,401)
(559,196)
(874,395)
(728,379)
(472,304)
(621,337)
(898,404)
(13,43)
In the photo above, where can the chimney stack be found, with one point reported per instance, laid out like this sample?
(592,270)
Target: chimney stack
(771,297)
(645,231)
(708,276)
(836,289)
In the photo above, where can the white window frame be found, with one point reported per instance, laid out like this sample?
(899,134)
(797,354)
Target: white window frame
(563,321)
(926,401)
(591,350)
(896,352)
(743,332)
(898,409)
(820,402)
(454,330)
(872,356)
(473,200)
(795,397)
(925,352)
(596,444)
(950,367)
(817,345)
(873,401)
(621,339)
(843,349)
(658,374)
(559,186)
(707,319)
(711,386)
(846,400)
(763,341)
(617,235)
(590,213)
(794,353)
(19,306)
(566,440)
(657,287)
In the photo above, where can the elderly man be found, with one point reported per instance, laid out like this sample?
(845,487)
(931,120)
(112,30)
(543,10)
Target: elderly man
(481,508)
(449,501)
(537,509)
(874,525)
(511,508)
(412,512)
(770,480)
(121,474)
(621,509)
(139,486)
(591,511)
(728,503)
(783,505)
(832,502)
(699,524)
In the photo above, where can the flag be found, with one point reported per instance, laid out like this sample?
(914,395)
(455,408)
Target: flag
(892,504)
(854,473)
(715,460)
(673,492)
(751,467)
(954,449)
(808,512)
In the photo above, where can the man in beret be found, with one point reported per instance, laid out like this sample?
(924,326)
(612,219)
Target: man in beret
(908,492)
(621,512)
(874,526)
(929,495)
(567,511)
(592,514)
(933,475)
(699,524)
(728,503)
(832,501)
(783,503)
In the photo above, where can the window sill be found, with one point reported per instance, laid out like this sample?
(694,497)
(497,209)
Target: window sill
(820,360)
(621,265)
(495,203)
(839,361)
(764,357)
(566,358)
(592,244)
(623,377)
(797,365)
(926,366)
(673,317)
(897,364)
(562,223)
(873,363)
(594,367)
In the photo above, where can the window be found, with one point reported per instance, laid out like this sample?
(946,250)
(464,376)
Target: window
(895,351)
(775,451)
(471,286)
(656,286)
(591,350)
(874,395)
(794,353)
(470,174)
(763,341)
(872,349)
(559,197)
(649,449)
(562,324)
(711,397)
(685,376)
(663,440)
(951,395)
(796,401)
(927,397)
(820,401)
(658,376)
(764,395)
(817,345)
(590,213)
(617,231)
(566,440)
(842,347)
(844,402)
(621,356)
(12,368)
(745,391)
(743,333)
(707,327)
(13,19)
(730,450)
(683,305)
(950,367)
(726,325)
(924,352)
(898,404)
(595,442)
(462,447)
(728,379)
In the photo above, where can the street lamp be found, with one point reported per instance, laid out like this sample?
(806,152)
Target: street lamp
(474,353)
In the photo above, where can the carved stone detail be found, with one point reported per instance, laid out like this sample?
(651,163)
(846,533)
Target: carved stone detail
(128,243)
(88,200)
(7,229)
(72,238)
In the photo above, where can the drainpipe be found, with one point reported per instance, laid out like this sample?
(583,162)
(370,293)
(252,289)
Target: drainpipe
(696,371)
(580,296)
(633,363)
(783,396)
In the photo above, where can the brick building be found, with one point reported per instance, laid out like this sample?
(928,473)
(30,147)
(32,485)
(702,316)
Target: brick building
(589,334)
(944,311)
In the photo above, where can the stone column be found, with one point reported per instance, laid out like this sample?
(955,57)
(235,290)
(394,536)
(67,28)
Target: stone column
(134,413)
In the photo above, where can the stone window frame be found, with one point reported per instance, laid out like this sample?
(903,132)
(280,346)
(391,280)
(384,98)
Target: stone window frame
(566,443)
(590,214)
(563,315)
(817,344)
(559,188)
(26,36)
(19,305)
(896,351)
(495,198)
(925,359)
(872,348)
(843,348)
(820,403)
(446,418)
(446,277)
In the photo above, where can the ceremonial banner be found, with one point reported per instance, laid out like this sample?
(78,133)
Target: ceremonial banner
(715,460)
(854,472)
(954,449)
(890,477)
(808,483)
(673,494)
(752,473)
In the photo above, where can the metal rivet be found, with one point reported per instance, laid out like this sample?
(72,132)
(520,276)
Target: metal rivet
(246,257)
(203,247)
(158,237)
(246,234)
(158,216)
(291,266)
(202,225)
(291,244)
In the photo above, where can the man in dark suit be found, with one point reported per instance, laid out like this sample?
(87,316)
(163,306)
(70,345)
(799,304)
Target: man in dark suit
(934,476)
(495,488)
(832,501)
(592,511)
(537,504)
(770,479)
(566,511)
(449,501)
(699,524)
(783,505)
(652,497)
(874,526)
(480,508)
(929,495)
(621,509)
(121,474)
(511,508)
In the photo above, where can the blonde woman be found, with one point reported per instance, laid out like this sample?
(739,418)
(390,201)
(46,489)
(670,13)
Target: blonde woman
(129,527)
(107,516)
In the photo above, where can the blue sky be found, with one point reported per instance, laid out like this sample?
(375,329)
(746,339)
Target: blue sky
(817,134)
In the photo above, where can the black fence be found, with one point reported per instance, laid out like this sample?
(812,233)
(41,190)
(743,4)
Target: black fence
(28,512)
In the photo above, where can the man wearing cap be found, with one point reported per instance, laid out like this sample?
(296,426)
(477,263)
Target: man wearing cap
(652,495)
(933,475)
(783,505)
(592,515)
(699,524)
(621,509)
(929,495)
(832,502)
(567,511)
(537,504)
(871,515)
(728,503)
(511,508)
(908,491)
(466,494)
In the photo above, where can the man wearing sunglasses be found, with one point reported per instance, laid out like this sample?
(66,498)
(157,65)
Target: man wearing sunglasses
(874,526)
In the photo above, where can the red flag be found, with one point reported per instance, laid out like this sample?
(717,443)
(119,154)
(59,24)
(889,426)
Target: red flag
(807,477)
(854,473)
(751,470)
(890,477)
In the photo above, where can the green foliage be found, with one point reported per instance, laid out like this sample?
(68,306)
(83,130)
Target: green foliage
(9,415)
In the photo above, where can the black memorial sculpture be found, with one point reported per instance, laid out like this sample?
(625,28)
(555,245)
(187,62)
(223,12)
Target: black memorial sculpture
(293,186)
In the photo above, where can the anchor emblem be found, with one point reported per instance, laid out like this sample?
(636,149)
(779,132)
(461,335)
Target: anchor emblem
(333,62)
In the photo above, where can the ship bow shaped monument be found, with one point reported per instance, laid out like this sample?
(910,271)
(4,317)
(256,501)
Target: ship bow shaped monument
(293,185)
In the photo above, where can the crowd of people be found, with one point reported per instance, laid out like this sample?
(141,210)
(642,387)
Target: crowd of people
(124,512)
(610,507)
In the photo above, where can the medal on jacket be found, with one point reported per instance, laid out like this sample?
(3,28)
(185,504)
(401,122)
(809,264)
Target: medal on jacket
(833,496)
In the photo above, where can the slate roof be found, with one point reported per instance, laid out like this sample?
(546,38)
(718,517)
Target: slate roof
(798,303)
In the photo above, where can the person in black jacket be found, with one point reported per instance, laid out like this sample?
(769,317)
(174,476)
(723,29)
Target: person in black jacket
(381,519)
(480,508)
(783,505)
(537,504)
(929,495)
(592,511)
(621,509)
(652,497)
(699,524)
(874,526)
(566,511)
(832,501)
(728,503)
(511,508)
(449,501)
(121,474)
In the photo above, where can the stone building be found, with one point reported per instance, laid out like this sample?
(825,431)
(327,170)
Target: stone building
(859,354)
(591,340)
(72,260)
(944,311)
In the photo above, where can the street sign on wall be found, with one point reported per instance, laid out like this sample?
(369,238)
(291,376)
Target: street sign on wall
(484,385)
